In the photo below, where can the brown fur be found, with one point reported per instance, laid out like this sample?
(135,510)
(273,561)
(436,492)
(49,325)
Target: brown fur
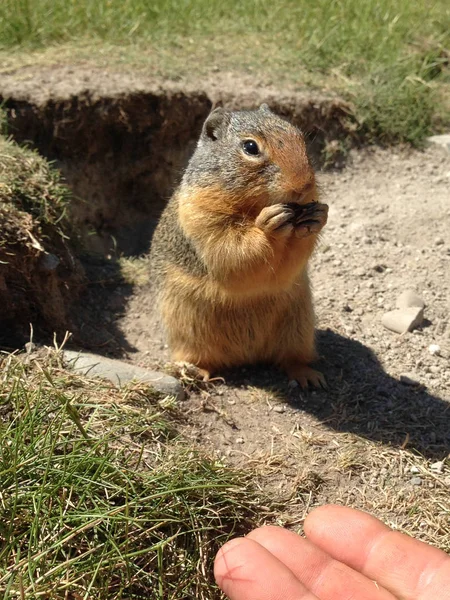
(239,290)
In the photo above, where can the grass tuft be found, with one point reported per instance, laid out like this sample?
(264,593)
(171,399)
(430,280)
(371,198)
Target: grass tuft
(29,184)
(135,270)
(99,498)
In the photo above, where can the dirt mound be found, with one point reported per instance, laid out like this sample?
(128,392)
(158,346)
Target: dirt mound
(39,275)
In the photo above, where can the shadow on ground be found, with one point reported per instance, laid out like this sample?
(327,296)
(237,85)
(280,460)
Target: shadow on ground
(103,301)
(363,399)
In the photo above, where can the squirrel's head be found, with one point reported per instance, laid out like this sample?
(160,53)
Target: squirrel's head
(256,156)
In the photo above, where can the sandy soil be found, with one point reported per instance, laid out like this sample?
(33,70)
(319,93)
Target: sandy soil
(371,440)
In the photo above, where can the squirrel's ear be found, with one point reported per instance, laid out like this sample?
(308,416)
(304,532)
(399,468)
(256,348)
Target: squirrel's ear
(214,125)
(265,107)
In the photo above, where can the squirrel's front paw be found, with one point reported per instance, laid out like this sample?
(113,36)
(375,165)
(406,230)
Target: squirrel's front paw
(276,220)
(311,220)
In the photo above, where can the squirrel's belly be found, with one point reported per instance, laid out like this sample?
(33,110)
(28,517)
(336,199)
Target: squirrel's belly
(226,333)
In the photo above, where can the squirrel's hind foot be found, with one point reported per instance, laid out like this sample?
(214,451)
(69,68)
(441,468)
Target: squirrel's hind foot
(188,369)
(306,376)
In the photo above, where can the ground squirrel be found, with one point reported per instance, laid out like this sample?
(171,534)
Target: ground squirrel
(229,256)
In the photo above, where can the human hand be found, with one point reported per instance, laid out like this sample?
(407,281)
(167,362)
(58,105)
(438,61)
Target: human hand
(347,555)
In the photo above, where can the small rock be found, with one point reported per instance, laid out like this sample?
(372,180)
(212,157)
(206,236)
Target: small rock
(435,369)
(409,380)
(408,299)
(447,480)
(240,440)
(434,349)
(439,241)
(31,347)
(403,320)
(279,408)
(120,372)
(379,268)
(414,469)
(437,467)
(48,262)
(416,481)
(440,140)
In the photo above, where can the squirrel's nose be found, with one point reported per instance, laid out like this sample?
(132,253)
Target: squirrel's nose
(301,193)
(304,189)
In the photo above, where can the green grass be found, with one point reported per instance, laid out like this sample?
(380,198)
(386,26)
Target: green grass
(30,185)
(99,498)
(390,58)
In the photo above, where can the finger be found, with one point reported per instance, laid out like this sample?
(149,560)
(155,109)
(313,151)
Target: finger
(326,577)
(244,570)
(408,568)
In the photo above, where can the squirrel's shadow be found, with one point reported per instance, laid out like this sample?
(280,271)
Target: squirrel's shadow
(363,399)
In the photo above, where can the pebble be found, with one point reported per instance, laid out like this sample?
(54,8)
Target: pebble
(403,320)
(240,440)
(408,299)
(437,467)
(409,380)
(439,241)
(434,349)
(414,469)
(48,262)
(416,481)
(379,268)
(119,372)
(279,408)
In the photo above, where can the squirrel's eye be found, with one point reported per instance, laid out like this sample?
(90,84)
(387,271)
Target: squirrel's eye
(250,147)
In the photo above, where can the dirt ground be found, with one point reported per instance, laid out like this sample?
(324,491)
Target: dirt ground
(373,440)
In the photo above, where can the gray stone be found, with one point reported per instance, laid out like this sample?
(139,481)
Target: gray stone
(408,299)
(279,408)
(48,262)
(441,140)
(414,469)
(403,320)
(120,372)
(416,481)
